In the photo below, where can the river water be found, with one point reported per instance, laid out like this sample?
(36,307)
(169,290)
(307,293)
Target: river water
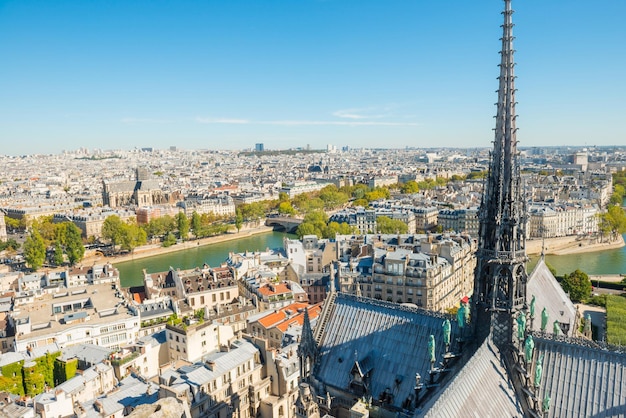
(595,263)
(131,272)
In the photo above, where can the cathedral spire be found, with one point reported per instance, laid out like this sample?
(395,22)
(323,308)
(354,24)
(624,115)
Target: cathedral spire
(500,283)
(307,349)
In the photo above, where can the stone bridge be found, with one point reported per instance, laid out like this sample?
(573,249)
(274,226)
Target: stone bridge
(283,223)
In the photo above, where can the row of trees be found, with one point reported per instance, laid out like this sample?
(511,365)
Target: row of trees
(65,238)
(316,223)
(613,221)
(129,235)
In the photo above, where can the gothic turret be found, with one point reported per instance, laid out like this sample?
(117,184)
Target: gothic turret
(307,349)
(500,283)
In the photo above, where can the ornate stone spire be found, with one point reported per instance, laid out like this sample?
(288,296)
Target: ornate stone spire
(307,349)
(500,282)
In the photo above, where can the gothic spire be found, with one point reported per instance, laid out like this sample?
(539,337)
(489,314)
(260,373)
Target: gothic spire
(307,349)
(500,283)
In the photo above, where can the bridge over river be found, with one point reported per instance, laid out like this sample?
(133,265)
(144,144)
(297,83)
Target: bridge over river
(284,223)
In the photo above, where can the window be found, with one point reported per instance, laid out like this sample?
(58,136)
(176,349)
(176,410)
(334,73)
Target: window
(202,300)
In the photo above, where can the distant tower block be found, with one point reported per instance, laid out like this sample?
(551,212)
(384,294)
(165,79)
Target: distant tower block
(581,159)
(500,282)
(259,147)
(142,174)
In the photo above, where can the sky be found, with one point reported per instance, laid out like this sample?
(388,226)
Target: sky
(226,74)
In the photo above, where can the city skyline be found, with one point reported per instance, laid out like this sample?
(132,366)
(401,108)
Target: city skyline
(363,74)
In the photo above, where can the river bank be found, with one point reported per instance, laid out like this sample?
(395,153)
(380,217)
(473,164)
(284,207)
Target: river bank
(156,249)
(571,245)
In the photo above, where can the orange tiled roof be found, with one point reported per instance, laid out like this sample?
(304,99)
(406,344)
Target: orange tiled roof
(314,312)
(279,289)
(139,297)
(272,319)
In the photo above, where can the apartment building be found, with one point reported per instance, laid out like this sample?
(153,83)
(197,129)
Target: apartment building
(227,383)
(202,288)
(219,205)
(93,314)
(549,220)
(433,272)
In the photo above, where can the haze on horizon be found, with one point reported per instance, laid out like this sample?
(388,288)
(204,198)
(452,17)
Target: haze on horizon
(376,74)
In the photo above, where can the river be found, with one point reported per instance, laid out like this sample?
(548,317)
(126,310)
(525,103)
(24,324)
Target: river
(131,272)
(595,263)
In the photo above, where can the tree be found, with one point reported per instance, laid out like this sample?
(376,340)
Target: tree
(169,240)
(12,224)
(334,228)
(410,187)
(386,225)
(238,220)
(183,225)
(286,208)
(578,285)
(196,224)
(306,228)
(58,254)
(46,229)
(332,197)
(74,243)
(613,221)
(160,226)
(132,236)
(377,193)
(34,250)
(10,244)
(477,175)
(112,229)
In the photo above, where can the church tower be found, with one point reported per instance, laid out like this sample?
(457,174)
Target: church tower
(500,280)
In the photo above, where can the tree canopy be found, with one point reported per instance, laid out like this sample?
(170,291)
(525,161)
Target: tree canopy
(128,235)
(34,250)
(386,225)
(578,285)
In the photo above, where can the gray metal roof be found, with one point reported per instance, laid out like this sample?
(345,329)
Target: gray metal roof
(131,393)
(581,381)
(481,389)
(198,374)
(549,294)
(390,338)
(89,353)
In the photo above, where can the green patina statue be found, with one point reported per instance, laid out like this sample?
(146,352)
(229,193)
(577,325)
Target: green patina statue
(431,348)
(538,371)
(529,346)
(532,307)
(521,326)
(544,320)
(460,316)
(446,332)
(556,328)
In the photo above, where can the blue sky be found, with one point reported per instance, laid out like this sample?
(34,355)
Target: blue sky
(228,74)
